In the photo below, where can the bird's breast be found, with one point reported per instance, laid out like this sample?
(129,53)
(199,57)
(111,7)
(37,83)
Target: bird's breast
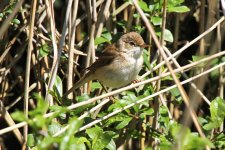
(120,72)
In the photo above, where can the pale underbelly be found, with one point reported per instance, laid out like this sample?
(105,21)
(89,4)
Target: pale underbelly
(115,78)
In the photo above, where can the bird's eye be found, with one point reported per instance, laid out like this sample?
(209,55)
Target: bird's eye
(132,43)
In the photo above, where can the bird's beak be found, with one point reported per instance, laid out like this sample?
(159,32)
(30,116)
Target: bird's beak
(144,46)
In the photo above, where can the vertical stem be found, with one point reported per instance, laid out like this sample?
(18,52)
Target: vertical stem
(71,47)
(202,27)
(221,71)
(27,73)
(61,43)
(157,102)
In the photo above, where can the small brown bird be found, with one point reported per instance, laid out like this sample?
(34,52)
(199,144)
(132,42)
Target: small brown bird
(119,63)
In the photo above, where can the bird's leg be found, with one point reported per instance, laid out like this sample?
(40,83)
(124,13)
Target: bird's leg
(135,81)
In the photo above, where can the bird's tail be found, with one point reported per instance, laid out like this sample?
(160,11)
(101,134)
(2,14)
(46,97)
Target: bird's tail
(87,77)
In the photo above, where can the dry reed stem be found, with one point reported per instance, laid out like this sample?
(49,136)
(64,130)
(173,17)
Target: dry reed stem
(186,77)
(11,122)
(120,9)
(28,66)
(158,83)
(59,53)
(71,47)
(101,18)
(50,11)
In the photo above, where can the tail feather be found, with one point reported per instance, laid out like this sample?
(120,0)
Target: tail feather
(87,77)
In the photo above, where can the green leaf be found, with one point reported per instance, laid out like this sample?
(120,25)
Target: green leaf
(148,112)
(178,9)
(106,34)
(58,108)
(175,92)
(188,140)
(209,126)
(38,121)
(18,116)
(84,140)
(75,144)
(95,85)
(74,125)
(115,106)
(174,2)
(202,120)
(217,111)
(9,11)
(111,145)
(143,6)
(30,140)
(156,20)
(223,59)
(121,23)
(146,58)
(59,86)
(83,97)
(194,141)
(54,128)
(16,21)
(197,58)
(100,40)
(115,119)
(167,35)
(93,132)
(129,98)
(102,140)
(42,106)
(44,50)
(124,123)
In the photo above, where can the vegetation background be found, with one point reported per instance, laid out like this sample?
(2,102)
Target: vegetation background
(178,103)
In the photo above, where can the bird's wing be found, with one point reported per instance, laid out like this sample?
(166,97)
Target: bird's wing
(105,58)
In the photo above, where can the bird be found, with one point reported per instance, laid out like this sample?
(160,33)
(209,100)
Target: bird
(119,63)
